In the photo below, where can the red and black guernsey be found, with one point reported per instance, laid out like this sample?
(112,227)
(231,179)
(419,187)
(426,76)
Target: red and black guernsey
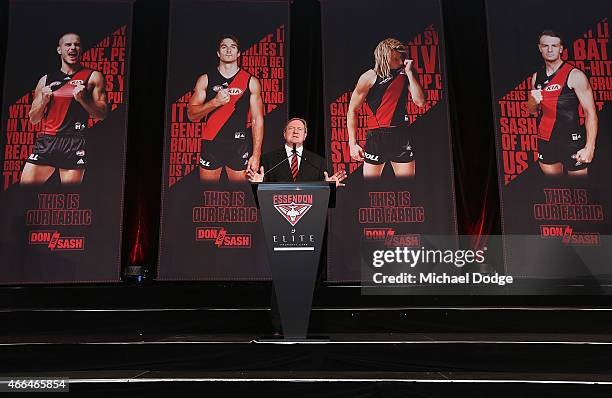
(387,100)
(64,115)
(227,120)
(558,115)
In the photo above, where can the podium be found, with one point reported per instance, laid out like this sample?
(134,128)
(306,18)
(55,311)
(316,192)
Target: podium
(293,217)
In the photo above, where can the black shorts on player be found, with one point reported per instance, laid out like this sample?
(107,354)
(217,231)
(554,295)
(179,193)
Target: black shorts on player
(388,144)
(218,153)
(64,151)
(551,152)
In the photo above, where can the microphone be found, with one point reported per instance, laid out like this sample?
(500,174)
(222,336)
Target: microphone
(294,151)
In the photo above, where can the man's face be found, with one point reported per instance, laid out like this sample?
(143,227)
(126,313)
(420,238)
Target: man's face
(69,48)
(228,51)
(550,48)
(295,133)
(396,60)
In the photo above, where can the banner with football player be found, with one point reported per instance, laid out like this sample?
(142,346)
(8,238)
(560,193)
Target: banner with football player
(387,125)
(552,85)
(226,105)
(63,141)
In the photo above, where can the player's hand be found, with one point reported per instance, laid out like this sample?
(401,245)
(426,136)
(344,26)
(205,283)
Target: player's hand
(536,95)
(338,177)
(408,65)
(585,155)
(253,163)
(79,92)
(356,152)
(222,97)
(46,93)
(255,176)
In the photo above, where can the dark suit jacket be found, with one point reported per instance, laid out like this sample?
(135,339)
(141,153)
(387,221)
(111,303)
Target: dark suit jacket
(311,168)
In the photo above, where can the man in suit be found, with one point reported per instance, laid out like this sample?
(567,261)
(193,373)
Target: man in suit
(294,165)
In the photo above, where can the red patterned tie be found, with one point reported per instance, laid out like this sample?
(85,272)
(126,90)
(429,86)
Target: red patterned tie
(294,166)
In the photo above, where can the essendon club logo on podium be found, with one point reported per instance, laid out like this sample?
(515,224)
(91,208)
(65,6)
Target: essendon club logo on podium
(292,207)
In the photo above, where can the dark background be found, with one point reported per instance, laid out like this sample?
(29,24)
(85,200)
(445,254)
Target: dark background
(473,155)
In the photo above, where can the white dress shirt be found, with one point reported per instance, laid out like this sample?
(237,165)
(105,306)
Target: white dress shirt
(298,149)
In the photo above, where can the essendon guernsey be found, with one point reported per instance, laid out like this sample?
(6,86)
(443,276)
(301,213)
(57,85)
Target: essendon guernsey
(559,107)
(224,121)
(64,115)
(387,100)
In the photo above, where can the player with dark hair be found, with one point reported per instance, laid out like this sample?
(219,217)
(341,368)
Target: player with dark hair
(385,90)
(63,101)
(225,98)
(556,91)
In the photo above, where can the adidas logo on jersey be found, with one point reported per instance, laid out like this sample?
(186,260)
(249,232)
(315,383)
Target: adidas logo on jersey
(81,161)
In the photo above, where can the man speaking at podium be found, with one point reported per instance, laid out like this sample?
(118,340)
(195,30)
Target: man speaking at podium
(293,163)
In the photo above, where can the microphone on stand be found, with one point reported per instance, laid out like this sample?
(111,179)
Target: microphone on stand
(294,151)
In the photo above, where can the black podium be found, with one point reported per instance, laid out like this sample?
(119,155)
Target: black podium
(293,217)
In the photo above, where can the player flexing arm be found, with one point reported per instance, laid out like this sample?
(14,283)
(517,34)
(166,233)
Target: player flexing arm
(42,96)
(91,97)
(94,103)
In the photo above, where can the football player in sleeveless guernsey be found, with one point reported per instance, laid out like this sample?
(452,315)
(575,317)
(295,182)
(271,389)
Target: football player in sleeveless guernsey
(385,91)
(63,102)
(225,98)
(556,91)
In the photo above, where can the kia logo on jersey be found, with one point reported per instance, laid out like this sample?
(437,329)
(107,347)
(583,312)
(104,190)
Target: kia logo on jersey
(234,91)
(553,87)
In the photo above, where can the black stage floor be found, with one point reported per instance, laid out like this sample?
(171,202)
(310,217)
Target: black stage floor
(396,352)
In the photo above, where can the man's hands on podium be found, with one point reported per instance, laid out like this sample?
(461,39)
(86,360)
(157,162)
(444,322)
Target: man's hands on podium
(338,177)
(255,176)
